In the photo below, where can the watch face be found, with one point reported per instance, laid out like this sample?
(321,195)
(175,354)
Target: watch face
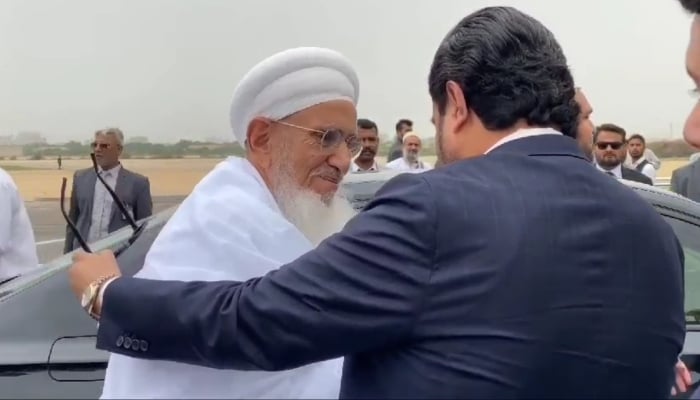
(88,294)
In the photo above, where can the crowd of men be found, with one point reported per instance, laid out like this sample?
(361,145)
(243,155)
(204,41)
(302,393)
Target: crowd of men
(614,153)
(505,272)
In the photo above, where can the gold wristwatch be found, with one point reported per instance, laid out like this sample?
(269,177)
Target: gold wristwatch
(90,294)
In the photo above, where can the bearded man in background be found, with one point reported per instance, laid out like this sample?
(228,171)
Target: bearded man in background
(295,113)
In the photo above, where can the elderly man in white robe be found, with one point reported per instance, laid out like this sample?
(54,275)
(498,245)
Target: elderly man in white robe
(410,162)
(295,113)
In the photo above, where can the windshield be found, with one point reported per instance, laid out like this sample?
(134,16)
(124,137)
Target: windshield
(689,236)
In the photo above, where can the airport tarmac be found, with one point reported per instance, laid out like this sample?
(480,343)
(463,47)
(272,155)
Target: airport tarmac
(50,227)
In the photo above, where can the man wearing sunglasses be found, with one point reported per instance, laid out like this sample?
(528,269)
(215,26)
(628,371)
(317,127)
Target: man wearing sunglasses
(91,207)
(610,151)
(295,114)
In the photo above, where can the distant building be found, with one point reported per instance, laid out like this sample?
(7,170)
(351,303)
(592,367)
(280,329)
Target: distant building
(25,138)
(219,139)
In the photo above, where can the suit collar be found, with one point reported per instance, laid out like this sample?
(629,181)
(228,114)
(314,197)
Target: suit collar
(541,145)
(618,170)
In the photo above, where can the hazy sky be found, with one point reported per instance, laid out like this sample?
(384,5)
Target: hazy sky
(167,68)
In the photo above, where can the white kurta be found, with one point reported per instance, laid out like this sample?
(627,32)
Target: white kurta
(229,228)
(400,164)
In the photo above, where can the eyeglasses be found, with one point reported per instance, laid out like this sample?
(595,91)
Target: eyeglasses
(103,146)
(330,139)
(605,145)
(137,229)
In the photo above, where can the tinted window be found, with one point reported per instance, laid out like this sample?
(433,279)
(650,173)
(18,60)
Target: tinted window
(360,193)
(689,236)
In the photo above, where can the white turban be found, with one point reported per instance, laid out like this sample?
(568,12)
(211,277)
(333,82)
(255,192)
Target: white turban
(291,81)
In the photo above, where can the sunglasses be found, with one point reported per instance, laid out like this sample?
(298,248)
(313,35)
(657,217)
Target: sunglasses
(102,146)
(605,145)
(330,139)
(136,229)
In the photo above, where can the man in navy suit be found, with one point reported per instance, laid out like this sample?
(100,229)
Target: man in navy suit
(505,273)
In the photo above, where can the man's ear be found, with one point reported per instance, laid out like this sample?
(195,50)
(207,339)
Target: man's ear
(457,107)
(258,136)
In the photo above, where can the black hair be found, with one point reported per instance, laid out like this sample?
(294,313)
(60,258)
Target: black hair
(638,136)
(364,123)
(609,128)
(510,67)
(691,6)
(402,122)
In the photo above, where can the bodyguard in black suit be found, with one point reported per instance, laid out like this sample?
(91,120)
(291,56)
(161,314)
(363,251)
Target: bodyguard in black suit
(504,275)
(609,153)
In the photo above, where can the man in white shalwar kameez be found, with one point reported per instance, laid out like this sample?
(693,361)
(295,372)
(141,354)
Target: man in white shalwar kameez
(410,161)
(295,113)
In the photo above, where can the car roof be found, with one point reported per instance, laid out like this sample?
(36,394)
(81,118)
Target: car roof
(656,195)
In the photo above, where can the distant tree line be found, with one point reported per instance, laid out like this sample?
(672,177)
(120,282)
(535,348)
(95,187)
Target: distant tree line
(180,149)
(672,148)
(188,148)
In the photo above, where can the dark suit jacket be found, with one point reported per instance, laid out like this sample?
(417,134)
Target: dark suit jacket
(133,189)
(634,175)
(510,275)
(396,151)
(686,181)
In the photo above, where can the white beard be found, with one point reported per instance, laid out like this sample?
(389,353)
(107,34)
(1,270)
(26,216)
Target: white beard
(314,218)
(304,208)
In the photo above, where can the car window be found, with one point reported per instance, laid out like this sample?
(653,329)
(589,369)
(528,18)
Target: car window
(360,193)
(689,236)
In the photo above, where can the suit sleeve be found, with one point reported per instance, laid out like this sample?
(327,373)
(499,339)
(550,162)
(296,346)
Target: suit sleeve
(144,201)
(73,213)
(674,182)
(361,289)
(677,182)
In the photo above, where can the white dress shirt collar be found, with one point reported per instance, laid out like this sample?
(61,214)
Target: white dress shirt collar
(617,171)
(521,134)
(356,168)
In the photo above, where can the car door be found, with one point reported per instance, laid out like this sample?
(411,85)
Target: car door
(687,230)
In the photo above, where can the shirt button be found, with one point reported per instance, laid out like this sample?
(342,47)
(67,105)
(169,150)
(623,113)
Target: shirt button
(135,344)
(120,341)
(127,342)
(144,345)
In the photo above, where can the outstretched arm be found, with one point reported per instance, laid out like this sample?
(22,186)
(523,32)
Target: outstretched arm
(361,289)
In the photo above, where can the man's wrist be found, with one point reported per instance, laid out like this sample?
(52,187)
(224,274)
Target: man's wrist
(97,307)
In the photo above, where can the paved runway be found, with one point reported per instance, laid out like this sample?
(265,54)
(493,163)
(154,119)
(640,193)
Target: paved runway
(50,227)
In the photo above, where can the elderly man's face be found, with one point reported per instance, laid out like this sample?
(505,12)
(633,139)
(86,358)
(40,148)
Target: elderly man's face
(411,148)
(691,132)
(303,155)
(107,150)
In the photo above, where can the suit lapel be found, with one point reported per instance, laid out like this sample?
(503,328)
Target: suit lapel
(90,180)
(122,186)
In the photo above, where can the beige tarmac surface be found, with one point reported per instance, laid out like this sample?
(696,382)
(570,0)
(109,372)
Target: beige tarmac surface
(174,177)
